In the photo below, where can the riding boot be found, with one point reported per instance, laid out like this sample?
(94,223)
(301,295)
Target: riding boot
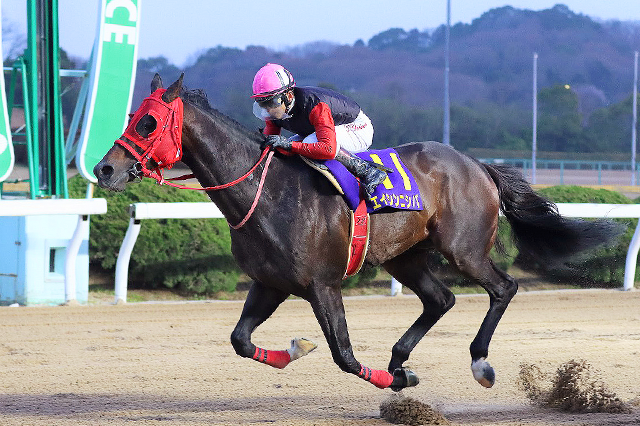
(370,176)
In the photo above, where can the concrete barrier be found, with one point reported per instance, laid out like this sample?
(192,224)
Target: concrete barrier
(59,207)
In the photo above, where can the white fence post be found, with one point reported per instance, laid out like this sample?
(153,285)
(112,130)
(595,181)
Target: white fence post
(72,255)
(124,255)
(396,287)
(632,257)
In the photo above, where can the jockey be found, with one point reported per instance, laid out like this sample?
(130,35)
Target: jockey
(327,124)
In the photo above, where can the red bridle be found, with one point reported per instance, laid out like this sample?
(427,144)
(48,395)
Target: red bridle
(164,146)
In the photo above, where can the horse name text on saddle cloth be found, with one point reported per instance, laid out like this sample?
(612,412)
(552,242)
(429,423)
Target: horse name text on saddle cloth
(398,191)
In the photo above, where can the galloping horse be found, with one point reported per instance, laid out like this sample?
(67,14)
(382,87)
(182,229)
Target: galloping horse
(296,240)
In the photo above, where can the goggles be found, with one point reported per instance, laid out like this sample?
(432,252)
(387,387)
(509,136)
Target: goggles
(269,103)
(261,108)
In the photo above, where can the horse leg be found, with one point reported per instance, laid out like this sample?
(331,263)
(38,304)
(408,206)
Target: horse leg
(412,270)
(261,302)
(501,288)
(329,310)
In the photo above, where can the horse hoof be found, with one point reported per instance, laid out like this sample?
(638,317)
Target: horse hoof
(300,347)
(403,378)
(483,372)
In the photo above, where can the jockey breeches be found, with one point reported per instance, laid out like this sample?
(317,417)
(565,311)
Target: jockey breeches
(356,136)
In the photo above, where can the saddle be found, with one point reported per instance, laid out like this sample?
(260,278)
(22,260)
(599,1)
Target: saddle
(398,191)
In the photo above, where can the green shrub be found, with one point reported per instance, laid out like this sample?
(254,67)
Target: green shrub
(504,251)
(579,194)
(190,256)
(362,278)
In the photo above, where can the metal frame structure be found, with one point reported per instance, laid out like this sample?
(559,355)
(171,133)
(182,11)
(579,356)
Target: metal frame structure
(39,68)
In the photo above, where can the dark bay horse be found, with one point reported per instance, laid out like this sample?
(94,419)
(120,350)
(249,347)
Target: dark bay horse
(296,241)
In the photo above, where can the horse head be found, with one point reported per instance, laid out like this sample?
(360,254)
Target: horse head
(152,140)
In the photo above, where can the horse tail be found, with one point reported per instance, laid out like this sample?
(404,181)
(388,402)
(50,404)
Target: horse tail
(539,230)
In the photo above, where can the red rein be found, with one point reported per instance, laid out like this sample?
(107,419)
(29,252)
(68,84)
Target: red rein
(164,146)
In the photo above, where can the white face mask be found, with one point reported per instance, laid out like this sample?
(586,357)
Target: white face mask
(263,114)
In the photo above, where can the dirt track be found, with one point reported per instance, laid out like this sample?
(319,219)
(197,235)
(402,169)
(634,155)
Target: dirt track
(173,364)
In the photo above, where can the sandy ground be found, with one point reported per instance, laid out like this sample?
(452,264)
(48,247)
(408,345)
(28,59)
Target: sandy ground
(172,363)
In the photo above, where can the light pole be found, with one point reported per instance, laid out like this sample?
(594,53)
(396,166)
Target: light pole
(534,141)
(447,113)
(635,120)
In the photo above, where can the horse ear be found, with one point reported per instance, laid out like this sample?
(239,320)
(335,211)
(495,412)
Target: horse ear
(174,90)
(156,83)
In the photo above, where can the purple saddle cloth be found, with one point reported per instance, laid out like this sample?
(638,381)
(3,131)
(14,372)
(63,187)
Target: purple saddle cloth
(398,191)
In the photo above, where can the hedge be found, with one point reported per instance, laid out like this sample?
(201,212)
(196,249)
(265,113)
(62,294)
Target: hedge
(189,256)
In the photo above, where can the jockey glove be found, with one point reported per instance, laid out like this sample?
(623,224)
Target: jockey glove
(277,141)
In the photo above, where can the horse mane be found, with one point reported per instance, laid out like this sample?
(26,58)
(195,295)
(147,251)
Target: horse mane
(198,98)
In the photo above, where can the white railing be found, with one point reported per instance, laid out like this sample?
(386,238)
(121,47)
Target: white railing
(82,207)
(140,211)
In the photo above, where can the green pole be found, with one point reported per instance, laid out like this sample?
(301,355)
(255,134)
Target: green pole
(30,88)
(29,128)
(57,169)
(12,90)
(43,72)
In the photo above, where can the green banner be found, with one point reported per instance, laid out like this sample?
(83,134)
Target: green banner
(112,77)
(6,146)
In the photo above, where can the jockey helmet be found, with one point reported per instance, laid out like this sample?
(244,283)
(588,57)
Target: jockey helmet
(270,81)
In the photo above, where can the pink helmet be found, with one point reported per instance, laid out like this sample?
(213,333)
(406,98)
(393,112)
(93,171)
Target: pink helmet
(272,80)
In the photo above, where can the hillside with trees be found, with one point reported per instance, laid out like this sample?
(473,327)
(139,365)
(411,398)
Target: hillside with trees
(585,80)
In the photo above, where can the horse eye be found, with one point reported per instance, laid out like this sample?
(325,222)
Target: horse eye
(146,125)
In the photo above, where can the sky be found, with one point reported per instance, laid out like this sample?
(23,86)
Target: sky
(180,29)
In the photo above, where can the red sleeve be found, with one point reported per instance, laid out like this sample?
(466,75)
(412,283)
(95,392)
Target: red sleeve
(325,149)
(270,128)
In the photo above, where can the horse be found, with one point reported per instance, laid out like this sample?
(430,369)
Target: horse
(294,238)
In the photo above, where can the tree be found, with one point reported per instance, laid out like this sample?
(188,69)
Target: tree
(158,64)
(559,123)
(14,39)
(609,129)
(399,39)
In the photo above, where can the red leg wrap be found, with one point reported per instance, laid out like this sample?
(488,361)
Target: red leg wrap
(378,378)
(277,359)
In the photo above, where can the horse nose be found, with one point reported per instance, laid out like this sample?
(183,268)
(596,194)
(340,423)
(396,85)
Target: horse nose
(103,171)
